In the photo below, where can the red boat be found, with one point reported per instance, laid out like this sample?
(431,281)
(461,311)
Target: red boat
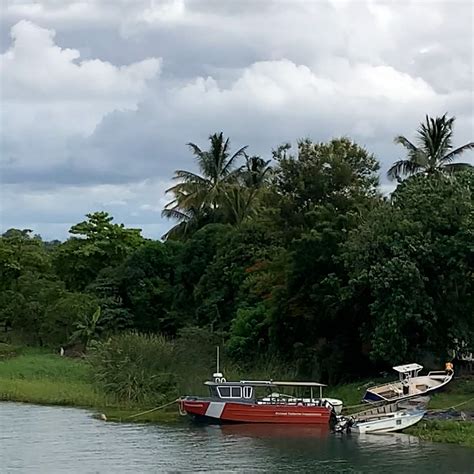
(238,402)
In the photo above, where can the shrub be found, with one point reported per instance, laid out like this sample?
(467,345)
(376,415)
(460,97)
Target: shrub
(136,368)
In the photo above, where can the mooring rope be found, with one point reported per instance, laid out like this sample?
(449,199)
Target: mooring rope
(454,406)
(153,409)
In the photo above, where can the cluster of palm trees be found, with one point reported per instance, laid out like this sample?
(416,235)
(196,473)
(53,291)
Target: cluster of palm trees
(225,191)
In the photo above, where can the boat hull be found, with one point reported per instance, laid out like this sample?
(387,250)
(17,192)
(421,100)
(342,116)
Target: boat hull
(234,412)
(389,424)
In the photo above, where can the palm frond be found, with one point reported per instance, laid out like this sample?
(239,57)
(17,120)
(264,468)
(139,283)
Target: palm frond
(402,168)
(194,148)
(188,176)
(231,160)
(174,214)
(458,151)
(401,140)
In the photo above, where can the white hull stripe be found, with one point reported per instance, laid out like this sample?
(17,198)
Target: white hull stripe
(215,409)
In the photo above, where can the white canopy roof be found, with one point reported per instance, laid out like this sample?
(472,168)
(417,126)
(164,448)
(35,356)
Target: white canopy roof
(407,368)
(288,384)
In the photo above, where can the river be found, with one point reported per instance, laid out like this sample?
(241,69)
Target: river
(39,439)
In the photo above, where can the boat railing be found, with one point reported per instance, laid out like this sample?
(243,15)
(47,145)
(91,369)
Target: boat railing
(293,401)
(437,372)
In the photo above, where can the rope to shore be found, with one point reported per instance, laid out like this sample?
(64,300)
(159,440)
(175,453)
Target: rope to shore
(153,409)
(454,406)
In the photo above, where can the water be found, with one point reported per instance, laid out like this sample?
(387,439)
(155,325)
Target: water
(35,439)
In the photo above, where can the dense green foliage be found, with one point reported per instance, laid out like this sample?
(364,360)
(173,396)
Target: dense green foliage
(300,261)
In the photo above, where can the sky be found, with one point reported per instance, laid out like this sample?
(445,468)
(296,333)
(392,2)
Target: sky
(100,97)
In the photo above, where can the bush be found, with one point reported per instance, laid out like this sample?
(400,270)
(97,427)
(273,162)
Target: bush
(136,368)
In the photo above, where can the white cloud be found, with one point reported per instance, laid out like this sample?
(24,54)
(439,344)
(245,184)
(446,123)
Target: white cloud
(50,96)
(40,74)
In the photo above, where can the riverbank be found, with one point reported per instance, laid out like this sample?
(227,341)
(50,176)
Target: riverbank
(35,376)
(39,377)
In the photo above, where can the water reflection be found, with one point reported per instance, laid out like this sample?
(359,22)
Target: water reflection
(315,432)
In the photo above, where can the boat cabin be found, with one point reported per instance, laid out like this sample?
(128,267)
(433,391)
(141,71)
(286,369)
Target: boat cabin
(245,391)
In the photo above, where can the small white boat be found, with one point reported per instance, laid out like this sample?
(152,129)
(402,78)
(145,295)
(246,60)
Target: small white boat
(386,423)
(410,384)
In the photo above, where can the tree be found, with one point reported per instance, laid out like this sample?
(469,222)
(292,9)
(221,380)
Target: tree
(411,263)
(199,195)
(21,253)
(433,151)
(97,243)
(339,173)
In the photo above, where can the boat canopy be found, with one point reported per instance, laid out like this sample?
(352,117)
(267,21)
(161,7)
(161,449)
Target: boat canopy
(268,383)
(403,369)
(287,384)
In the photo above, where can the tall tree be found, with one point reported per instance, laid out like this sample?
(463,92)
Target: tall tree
(199,195)
(96,243)
(433,151)
(340,173)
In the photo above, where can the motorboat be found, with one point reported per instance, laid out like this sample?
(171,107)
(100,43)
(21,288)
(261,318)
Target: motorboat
(240,402)
(384,418)
(410,384)
(387,423)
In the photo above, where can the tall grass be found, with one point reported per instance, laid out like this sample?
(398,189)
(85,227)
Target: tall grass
(136,368)
(150,369)
(41,377)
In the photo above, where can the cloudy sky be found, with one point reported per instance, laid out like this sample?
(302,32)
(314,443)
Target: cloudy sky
(99,97)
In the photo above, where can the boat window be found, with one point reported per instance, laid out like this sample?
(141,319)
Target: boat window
(236,392)
(247,392)
(224,392)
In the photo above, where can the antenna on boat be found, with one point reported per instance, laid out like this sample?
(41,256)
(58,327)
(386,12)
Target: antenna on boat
(218,377)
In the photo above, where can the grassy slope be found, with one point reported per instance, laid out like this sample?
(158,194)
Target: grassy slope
(37,376)
(460,432)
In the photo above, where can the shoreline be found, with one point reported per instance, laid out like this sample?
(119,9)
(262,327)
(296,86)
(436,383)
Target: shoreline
(41,378)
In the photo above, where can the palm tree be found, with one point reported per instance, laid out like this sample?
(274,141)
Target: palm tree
(86,328)
(433,151)
(240,197)
(196,196)
(255,171)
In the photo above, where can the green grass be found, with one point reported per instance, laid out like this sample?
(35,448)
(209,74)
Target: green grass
(38,376)
(458,391)
(457,432)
